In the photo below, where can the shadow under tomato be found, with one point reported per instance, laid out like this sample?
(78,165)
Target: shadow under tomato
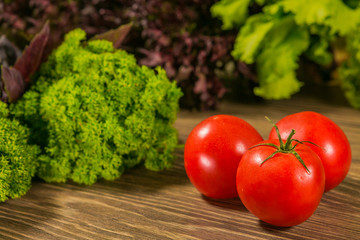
(233,204)
(271,228)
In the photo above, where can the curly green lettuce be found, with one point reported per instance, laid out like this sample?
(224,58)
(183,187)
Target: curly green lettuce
(95,113)
(18,159)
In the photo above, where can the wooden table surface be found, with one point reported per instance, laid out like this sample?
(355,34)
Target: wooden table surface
(164,205)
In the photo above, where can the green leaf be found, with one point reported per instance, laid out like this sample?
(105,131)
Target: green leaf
(319,51)
(266,2)
(352,3)
(334,14)
(231,12)
(351,83)
(277,62)
(274,42)
(279,88)
(251,38)
(350,70)
(4,111)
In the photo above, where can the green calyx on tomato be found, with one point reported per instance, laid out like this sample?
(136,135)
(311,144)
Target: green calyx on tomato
(286,147)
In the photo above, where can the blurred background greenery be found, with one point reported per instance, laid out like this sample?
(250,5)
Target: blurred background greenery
(250,49)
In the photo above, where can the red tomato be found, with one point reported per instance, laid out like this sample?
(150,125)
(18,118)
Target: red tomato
(213,151)
(335,153)
(280,191)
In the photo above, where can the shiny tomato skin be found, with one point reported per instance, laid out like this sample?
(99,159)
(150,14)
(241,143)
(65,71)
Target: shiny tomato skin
(213,151)
(319,129)
(280,191)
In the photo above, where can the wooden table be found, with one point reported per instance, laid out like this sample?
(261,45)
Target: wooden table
(164,205)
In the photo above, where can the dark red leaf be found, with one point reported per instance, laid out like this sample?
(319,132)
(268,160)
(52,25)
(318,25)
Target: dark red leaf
(177,31)
(13,84)
(184,73)
(32,56)
(153,58)
(201,86)
(116,36)
(170,70)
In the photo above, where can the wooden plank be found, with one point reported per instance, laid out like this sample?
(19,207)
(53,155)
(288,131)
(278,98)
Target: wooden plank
(164,205)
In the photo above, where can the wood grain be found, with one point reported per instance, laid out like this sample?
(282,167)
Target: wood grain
(164,205)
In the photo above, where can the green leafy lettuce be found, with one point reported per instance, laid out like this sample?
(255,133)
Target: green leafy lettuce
(232,13)
(333,14)
(350,70)
(95,113)
(282,31)
(18,159)
(266,36)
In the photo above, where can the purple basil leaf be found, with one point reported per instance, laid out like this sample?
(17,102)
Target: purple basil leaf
(13,85)
(153,58)
(184,72)
(201,86)
(32,56)
(170,70)
(116,36)
(177,31)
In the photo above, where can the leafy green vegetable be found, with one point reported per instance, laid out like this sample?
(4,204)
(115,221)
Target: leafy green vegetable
(95,112)
(18,159)
(278,34)
(330,13)
(231,12)
(265,36)
(251,38)
(318,51)
(282,83)
(350,70)
(352,3)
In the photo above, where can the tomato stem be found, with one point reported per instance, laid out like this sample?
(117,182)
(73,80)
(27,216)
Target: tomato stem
(288,140)
(272,155)
(277,132)
(284,148)
(302,142)
(300,159)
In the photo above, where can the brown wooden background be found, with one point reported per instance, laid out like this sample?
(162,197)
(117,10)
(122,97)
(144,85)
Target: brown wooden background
(164,205)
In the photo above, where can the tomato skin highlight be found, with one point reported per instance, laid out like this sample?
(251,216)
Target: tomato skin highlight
(280,191)
(317,128)
(213,151)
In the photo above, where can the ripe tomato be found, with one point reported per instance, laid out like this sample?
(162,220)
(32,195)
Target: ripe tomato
(213,151)
(280,191)
(334,150)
